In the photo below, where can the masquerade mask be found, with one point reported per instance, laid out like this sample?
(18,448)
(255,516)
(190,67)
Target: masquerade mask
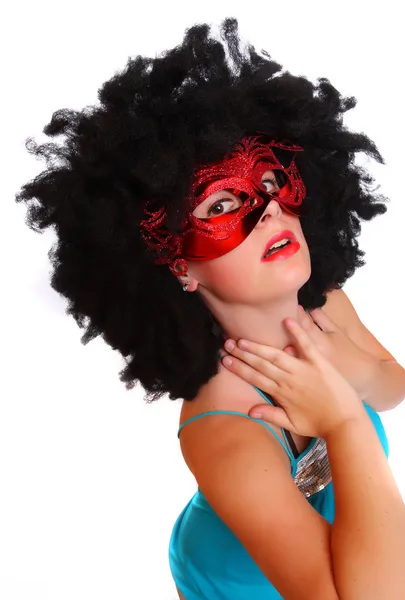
(240,175)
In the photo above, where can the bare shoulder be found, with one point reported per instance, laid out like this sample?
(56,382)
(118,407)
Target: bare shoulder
(227,392)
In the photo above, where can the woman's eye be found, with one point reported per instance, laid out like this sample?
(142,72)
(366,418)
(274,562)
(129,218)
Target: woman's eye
(215,207)
(273,187)
(220,207)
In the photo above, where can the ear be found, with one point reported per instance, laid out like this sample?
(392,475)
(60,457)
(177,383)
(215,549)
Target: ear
(193,283)
(184,277)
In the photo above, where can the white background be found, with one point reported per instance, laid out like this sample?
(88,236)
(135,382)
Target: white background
(92,478)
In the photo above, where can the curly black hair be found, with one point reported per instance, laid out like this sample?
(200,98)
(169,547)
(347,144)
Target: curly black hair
(156,121)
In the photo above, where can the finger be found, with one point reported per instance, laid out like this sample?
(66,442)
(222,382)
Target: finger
(275,415)
(304,344)
(306,321)
(244,364)
(319,316)
(303,318)
(260,355)
(251,375)
(314,331)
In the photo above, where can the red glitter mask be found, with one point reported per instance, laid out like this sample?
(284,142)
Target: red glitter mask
(239,173)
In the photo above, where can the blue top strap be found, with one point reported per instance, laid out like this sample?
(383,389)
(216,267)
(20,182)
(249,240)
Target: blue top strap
(233,412)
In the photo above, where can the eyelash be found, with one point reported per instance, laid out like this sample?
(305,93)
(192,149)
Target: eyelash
(229,199)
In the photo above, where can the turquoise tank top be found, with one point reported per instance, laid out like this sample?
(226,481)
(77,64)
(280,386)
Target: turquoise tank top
(208,562)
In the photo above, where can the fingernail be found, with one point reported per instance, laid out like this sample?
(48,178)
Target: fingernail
(227,361)
(229,344)
(243,344)
(256,415)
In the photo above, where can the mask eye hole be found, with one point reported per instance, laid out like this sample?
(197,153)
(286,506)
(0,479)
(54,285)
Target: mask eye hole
(221,203)
(273,181)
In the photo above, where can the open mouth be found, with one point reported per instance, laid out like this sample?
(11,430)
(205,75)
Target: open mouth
(278,242)
(277,246)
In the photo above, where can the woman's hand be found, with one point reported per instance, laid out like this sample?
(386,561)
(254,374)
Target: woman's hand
(313,398)
(353,363)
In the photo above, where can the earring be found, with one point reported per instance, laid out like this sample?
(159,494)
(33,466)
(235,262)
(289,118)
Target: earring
(185,286)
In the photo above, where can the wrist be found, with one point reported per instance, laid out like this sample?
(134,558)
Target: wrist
(368,371)
(357,419)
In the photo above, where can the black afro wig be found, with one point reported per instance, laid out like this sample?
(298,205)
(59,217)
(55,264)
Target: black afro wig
(156,121)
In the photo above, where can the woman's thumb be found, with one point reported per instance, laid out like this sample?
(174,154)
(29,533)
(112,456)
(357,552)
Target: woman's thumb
(271,414)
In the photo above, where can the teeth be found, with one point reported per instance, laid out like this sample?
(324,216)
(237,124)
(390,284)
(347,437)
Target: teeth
(284,242)
(280,243)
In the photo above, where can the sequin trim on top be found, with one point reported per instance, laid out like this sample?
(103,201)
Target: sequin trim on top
(313,470)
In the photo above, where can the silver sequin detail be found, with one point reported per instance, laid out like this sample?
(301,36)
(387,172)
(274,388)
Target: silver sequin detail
(313,471)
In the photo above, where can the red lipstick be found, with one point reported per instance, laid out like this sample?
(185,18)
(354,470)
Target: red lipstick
(284,252)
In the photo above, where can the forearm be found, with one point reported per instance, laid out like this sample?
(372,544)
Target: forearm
(368,533)
(384,388)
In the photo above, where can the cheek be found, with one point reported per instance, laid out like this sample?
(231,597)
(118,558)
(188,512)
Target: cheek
(225,274)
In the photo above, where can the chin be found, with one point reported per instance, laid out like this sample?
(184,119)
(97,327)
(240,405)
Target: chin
(297,274)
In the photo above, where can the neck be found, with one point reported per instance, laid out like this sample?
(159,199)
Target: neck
(263,325)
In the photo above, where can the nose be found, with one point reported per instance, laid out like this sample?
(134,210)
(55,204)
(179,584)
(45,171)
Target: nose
(273,209)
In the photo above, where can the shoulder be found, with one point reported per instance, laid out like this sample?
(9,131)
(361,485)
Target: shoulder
(224,391)
(201,438)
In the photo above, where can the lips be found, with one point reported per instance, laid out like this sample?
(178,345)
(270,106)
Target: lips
(286,233)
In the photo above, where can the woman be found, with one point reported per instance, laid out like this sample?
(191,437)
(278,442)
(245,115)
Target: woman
(180,180)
